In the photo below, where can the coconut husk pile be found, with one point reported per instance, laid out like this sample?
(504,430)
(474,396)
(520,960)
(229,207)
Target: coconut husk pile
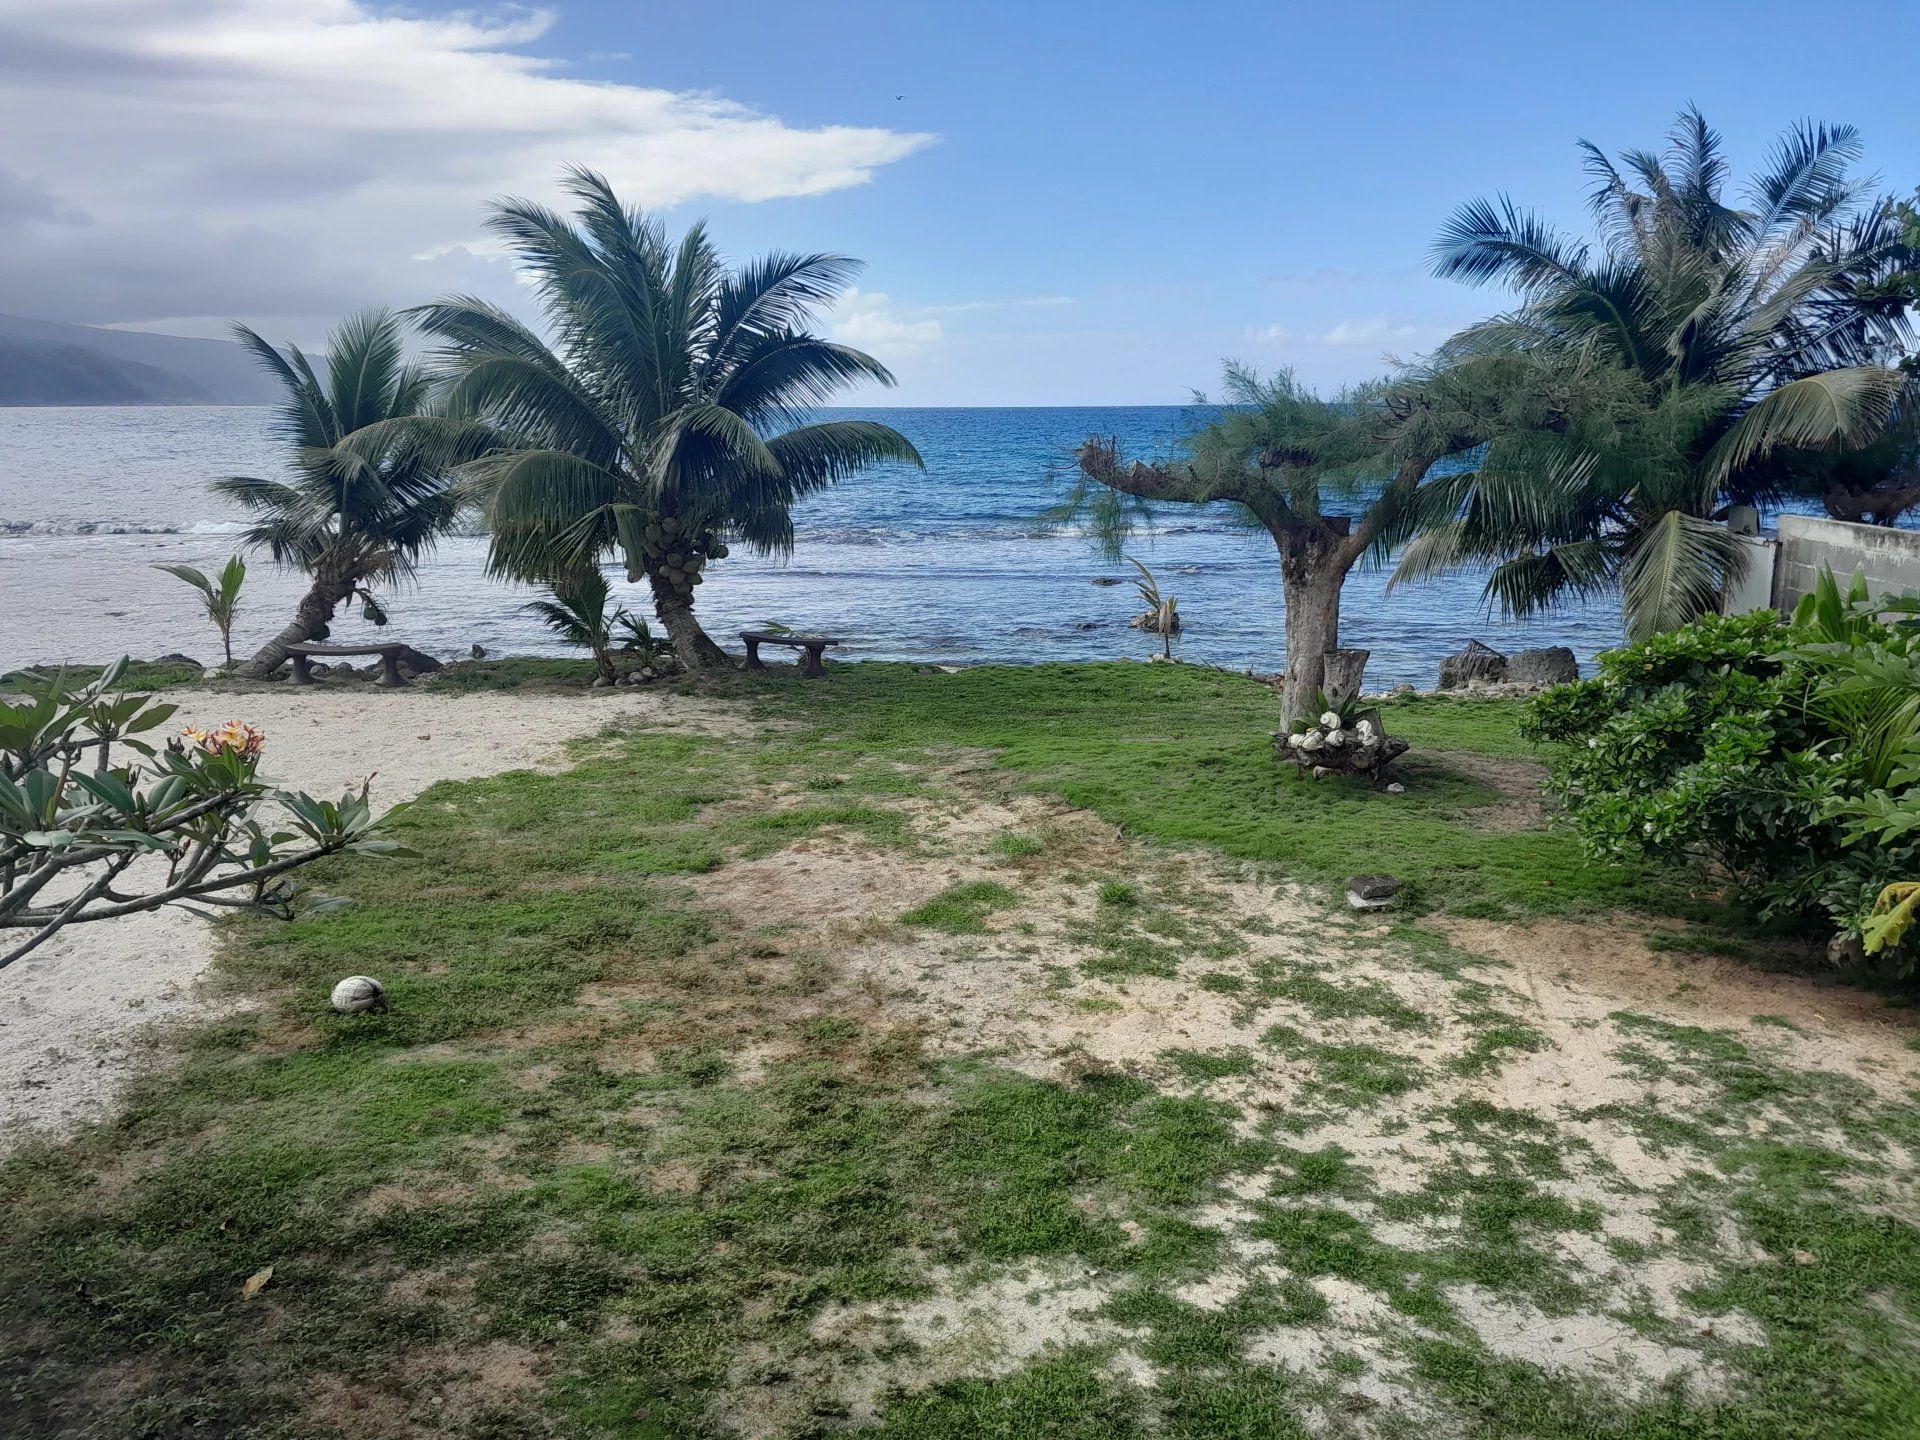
(1353,744)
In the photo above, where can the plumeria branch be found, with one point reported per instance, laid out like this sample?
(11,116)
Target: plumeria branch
(69,816)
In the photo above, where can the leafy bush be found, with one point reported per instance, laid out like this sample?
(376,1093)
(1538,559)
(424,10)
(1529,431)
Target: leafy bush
(1781,755)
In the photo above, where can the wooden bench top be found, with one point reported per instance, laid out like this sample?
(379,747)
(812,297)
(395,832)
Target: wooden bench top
(305,647)
(768,637)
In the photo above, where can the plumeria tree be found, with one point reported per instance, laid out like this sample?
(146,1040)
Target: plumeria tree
(98,821)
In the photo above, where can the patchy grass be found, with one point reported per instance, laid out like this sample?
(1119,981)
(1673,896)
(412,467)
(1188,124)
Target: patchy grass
(1016,846)
(513,673)
(1185,754)
(618,1160)
(961,909)
(140,675)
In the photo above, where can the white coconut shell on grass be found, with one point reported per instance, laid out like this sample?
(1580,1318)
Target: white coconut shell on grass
(359,994)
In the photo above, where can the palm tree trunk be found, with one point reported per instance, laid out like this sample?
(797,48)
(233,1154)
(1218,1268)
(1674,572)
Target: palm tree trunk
(603,658)
(310,621)
(692,646)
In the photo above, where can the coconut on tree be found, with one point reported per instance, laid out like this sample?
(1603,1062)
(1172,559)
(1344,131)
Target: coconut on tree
(371,488)
(670,412)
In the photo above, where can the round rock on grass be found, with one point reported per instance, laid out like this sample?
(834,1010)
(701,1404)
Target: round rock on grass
(358,994)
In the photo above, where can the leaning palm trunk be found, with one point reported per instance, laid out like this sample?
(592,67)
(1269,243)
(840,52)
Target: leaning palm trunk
(311,619)
(692,646)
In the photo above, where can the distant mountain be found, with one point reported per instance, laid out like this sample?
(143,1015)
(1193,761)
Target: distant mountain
(45,362)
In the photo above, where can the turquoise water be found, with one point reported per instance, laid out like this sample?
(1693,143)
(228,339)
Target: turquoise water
(953,565)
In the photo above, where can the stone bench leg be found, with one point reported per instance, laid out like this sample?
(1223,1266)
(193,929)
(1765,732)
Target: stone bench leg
(390,676)
(753,655)
(810,662)
(301,674)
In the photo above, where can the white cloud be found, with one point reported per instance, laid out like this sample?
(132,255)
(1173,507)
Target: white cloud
(1373,330)
(290,157)
(1033,302)
(870,321)
(896,330)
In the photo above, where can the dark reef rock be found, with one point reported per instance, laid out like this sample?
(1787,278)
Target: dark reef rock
(1552,666)
(1477,664)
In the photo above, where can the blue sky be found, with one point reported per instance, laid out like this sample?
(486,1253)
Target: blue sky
(1071,203)
(1247,179)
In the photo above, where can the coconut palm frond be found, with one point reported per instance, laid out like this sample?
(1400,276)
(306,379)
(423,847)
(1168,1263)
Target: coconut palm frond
(1834,409)
(775,295)
(1486,240)
(1674,570)
(780,378)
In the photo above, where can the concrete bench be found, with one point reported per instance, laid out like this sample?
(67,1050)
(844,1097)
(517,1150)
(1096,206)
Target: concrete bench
(390,675)
(812,645)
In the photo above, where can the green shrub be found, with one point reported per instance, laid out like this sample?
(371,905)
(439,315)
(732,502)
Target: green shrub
(1769,752)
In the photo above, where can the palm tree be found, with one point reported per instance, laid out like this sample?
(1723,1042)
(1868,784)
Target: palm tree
(372,488)
(577,613)
(219,595)
(1757,334)
(670,412)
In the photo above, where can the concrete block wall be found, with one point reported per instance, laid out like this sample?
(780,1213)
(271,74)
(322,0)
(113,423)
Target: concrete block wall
(1890,558)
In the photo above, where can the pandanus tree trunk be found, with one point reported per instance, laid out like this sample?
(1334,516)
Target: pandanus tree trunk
(311,618)
(1313,568)
(691,645)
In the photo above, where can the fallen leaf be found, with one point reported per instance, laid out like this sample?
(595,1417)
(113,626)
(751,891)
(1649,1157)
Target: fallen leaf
(256,1282)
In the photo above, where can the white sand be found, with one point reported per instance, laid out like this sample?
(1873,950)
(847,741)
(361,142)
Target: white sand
(76,1016)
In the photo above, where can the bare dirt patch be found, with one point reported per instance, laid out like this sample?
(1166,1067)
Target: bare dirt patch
(821,881)
(1036,989)
(1580,969)
(1523,803)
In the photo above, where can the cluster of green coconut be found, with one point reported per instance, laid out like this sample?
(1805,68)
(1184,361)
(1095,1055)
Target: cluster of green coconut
(676,551)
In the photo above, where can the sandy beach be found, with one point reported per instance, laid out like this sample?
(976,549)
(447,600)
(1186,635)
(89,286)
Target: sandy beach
(81,1014)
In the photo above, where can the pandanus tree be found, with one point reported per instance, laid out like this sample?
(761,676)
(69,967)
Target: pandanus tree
(371,488)
(1333,480)
(1762,335)
(670,411)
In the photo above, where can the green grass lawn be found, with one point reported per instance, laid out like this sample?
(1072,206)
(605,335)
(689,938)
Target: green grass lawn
(1185,755)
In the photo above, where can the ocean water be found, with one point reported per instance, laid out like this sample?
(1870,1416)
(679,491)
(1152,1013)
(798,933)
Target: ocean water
(954,565)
